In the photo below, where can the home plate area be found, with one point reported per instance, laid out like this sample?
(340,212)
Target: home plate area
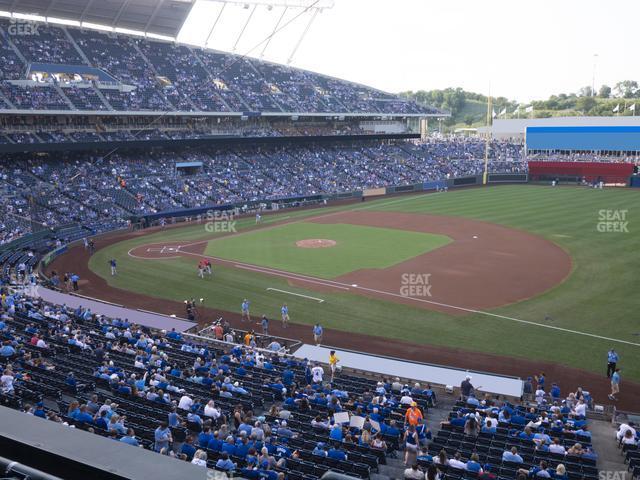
(163,250)
(156,251)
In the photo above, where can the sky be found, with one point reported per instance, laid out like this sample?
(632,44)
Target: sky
(520,50)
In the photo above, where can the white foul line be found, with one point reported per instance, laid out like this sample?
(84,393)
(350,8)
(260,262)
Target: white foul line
(319,300)
(343,286)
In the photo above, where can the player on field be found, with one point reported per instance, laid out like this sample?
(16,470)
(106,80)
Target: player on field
(201,269)
(113,265)
(245,310)
(285,315)
(317,333)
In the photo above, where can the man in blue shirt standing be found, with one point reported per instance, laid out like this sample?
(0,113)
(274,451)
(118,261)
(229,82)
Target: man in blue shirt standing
(285,315)
(612,359)
(245,310)
(162,437)
(317,333)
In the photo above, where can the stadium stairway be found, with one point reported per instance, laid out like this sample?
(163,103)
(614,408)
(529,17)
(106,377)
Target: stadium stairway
(395,467)
(603,438)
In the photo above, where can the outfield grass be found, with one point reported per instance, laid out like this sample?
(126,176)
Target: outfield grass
(357,247)
(599,297)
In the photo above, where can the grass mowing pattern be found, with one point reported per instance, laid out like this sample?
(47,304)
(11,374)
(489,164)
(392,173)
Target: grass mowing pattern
(600,296)
(357,247)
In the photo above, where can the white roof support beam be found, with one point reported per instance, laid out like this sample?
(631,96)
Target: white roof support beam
(246,24)
(304,33)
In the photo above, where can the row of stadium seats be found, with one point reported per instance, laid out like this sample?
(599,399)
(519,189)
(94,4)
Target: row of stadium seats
(75,187)
(170,77)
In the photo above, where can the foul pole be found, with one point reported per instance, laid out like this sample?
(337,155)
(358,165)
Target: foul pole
(487,144)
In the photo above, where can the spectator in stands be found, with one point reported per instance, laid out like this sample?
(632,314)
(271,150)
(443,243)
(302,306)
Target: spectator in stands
(224,463)
(560,472)
(539,471)
(512,456)
(411,442)
(413,473)
(6,381)
(7,350)
(623,428)
(413,415)
(557,447)
(466,388)
(162,437)
(629,438)
(130,438)
(471,427)
(336,453)
(473,465)
(200,458)
(457,462)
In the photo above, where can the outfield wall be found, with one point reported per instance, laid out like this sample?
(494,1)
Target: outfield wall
(576,171)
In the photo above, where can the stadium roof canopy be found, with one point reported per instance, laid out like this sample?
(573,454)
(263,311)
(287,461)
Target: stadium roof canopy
(158,17)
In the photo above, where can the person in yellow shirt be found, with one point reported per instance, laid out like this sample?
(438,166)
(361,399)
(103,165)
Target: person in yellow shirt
(333,363)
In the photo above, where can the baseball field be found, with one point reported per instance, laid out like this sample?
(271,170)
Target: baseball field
(544,276)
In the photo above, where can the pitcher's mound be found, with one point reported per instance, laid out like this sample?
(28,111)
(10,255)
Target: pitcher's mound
(315,243)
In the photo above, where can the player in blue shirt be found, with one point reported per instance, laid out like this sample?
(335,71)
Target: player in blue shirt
(612,360)
(317,333)
(285,315)
(245,310)
(615,384)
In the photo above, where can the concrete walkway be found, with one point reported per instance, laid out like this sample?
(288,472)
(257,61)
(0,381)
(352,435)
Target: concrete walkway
(148,319)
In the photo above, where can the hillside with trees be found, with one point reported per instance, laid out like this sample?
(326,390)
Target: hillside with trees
(469,109)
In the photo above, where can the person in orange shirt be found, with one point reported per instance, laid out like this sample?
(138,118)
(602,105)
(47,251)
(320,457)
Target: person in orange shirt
(248,338)
(413,415)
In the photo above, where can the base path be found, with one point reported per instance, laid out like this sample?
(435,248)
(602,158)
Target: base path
(77,260)
(484,267)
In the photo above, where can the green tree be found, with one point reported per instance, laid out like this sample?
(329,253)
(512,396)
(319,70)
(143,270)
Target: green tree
(605,91)
(626,89)
(586,92)
(586,104)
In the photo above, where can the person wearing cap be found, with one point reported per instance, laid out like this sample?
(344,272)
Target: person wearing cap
(319,450)
(466,387)
(413,415)
(406,398)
